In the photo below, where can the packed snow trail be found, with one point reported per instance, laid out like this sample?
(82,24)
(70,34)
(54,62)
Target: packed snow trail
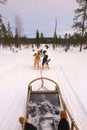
(69,95)
(59,67)
(16,71)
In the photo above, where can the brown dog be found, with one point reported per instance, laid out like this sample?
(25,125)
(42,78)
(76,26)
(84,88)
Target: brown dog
(37,60)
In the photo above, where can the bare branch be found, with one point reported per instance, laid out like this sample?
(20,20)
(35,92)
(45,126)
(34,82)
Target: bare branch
(3,1)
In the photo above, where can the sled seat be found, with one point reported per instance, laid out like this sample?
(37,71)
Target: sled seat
(50,96)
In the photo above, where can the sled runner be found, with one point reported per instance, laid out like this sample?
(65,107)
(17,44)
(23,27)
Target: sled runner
(43,105)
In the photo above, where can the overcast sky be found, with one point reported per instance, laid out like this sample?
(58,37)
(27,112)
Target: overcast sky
(41,15)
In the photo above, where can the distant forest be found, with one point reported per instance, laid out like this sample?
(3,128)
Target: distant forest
(79,38)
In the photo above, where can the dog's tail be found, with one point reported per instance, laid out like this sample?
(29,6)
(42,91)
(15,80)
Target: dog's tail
(48,60)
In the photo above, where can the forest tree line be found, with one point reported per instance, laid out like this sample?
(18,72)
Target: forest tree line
(79,38)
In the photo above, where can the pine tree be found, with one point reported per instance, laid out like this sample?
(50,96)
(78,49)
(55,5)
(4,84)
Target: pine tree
(80,20)
(0,26)
(55,32)
(9,32)
(37,34)
(3,31)
(37,39)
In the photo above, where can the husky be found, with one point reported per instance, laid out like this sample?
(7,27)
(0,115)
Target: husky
(45,61)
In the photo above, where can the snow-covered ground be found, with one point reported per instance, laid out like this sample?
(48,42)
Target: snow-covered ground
(69,70)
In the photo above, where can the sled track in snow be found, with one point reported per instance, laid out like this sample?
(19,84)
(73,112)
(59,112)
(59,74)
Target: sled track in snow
(69,85)
(62,77)
(13,100)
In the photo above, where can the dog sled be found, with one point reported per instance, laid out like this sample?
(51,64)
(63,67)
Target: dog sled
(43,105)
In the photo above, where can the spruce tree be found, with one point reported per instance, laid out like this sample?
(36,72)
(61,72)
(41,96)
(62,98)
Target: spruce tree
(80,20)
